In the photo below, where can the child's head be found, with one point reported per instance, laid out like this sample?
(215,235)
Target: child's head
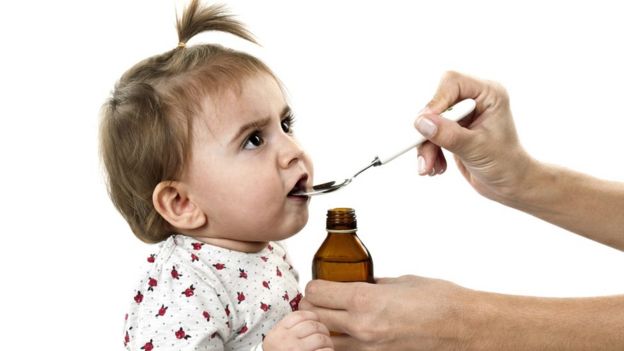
(198,141)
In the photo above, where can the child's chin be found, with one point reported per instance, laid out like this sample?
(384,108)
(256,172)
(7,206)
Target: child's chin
(296,228)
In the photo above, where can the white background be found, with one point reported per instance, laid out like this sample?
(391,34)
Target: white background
(357,73)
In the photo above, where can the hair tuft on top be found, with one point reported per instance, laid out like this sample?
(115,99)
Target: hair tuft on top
(197,19)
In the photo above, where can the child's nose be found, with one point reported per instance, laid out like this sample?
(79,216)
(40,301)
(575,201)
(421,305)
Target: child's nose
(290,152)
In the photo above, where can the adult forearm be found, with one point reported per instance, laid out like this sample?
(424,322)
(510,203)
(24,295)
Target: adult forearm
(583,204)
(515,323)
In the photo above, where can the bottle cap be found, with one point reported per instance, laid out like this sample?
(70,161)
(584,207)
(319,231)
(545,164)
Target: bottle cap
(342,218)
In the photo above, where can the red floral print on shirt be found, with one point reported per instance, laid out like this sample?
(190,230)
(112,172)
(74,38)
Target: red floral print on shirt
(264,306)
(161,311)
(152,283)
(181,334)
(138,297)
(197,246)
(242,330)
(294,303)
(190,291)
(148,346)
(175,274)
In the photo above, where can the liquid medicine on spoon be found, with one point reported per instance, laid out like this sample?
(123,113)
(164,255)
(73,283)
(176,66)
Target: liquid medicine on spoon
(342,257)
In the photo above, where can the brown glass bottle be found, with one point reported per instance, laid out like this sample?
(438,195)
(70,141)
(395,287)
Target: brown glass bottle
(342,257)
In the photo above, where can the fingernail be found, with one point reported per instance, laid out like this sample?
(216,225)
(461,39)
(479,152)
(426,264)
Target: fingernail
(442,171)
(421,165)
(426,127)
(433,172)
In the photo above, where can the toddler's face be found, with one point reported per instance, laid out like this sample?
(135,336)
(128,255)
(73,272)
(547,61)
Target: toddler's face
(245,161)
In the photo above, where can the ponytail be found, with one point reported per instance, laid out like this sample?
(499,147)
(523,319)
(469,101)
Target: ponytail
(197,19)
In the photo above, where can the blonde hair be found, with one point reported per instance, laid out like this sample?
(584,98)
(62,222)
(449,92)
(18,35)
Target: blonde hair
(145,131)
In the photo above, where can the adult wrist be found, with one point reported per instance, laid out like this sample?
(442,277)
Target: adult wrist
(527,184)
(477,313)
(495,322)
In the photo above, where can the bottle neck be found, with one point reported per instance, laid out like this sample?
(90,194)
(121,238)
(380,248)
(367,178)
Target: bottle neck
(341,220)
(341,231)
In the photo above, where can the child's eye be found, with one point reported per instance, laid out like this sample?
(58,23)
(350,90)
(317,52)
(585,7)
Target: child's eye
(253,141)
(287,123)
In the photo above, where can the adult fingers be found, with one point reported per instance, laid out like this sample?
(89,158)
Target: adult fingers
(334,295)
(427,156)
(447,134)
(452,88)
(347,343)
(443,132)
(440,163)
(334,320)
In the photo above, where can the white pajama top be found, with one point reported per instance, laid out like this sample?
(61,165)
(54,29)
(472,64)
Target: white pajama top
(194,296)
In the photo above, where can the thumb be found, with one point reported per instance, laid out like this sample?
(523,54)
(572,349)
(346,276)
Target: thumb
(443,132)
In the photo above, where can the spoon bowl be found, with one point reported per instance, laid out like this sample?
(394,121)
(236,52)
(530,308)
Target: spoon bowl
(324,188)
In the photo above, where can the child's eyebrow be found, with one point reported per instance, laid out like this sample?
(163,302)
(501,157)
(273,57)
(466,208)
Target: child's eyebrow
(261,123)
(250,126)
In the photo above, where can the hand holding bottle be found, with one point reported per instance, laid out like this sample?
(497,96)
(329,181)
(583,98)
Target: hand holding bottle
(405,313)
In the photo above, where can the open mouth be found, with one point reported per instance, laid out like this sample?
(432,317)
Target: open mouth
(299,186)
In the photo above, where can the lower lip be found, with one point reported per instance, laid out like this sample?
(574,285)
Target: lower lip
(298,198)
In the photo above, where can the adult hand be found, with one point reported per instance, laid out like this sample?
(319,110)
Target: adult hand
(490,157)
(486,146)
(402,313)
(414,313)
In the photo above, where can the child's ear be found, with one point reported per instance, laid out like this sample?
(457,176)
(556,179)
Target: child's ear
(171,200)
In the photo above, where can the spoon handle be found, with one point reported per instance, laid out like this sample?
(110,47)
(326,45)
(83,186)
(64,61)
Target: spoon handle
(454,113)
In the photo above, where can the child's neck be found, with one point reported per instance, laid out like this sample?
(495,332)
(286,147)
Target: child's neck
(236,245)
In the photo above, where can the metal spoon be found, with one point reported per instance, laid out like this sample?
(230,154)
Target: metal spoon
(455,113)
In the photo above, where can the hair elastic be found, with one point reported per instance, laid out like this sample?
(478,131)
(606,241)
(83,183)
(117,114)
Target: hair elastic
(181,44)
